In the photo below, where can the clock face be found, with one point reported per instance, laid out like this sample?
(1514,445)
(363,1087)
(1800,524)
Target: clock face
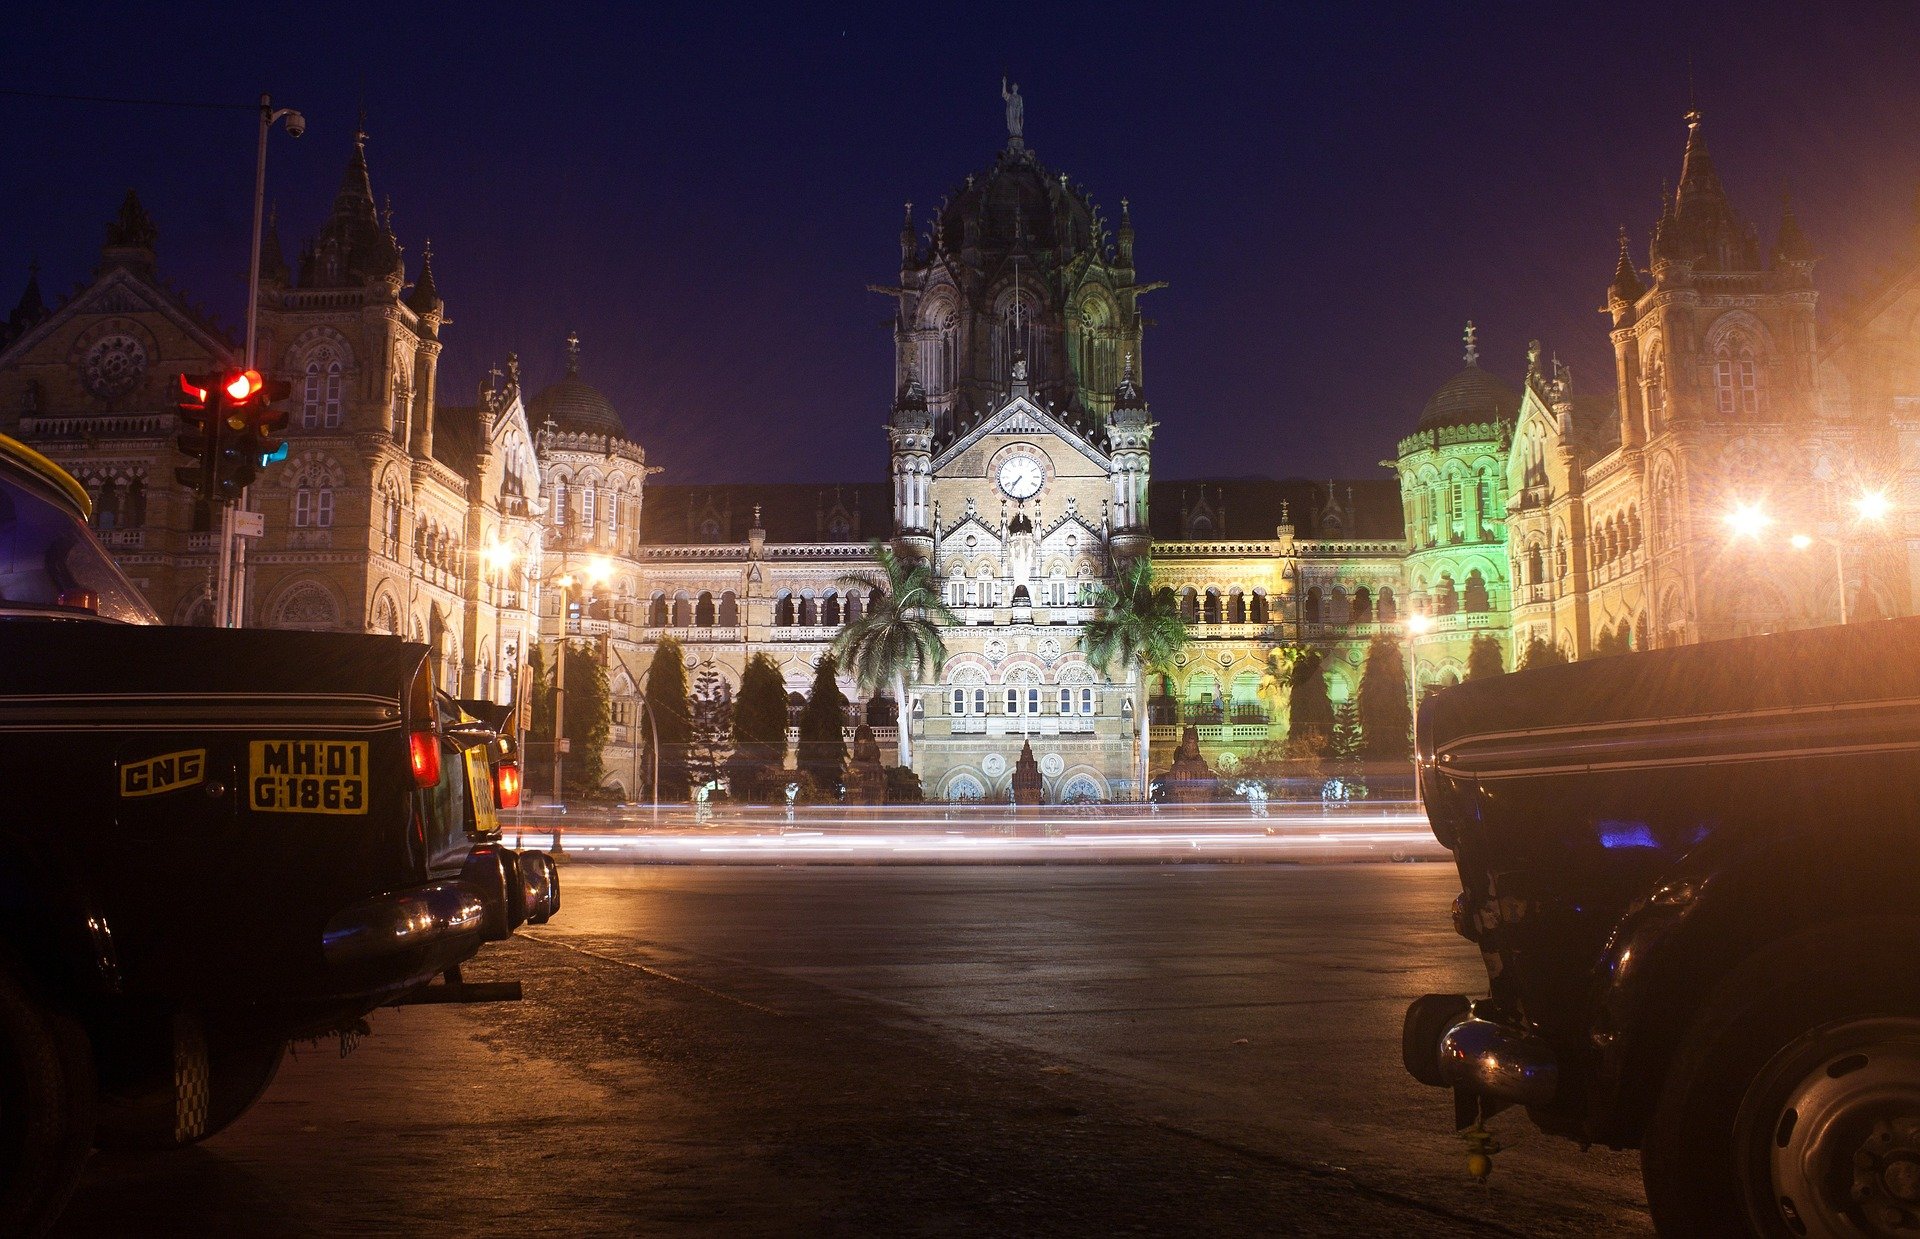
(1021,476)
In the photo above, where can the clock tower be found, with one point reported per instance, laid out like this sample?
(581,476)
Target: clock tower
(1020,464)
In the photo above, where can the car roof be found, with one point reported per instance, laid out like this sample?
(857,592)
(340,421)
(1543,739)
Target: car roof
(15,452)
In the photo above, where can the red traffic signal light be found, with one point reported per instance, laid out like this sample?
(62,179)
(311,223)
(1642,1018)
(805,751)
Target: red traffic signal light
(241,386)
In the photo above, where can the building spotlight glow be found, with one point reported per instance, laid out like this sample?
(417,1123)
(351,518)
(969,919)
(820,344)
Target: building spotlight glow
(1748,520)
(1418,624)
(1800,541)
(1873,505)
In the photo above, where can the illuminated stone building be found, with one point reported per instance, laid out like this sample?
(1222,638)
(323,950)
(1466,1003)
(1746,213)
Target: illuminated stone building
(1020,465)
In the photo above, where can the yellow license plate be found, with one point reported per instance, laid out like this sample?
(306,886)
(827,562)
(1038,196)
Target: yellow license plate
(308,776)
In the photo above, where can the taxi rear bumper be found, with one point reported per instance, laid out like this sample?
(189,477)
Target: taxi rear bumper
(443,916)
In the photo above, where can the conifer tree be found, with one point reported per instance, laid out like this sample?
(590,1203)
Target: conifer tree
(759,729)
(1485,659)
(672,717)
(1310,721)
(1386,720)
(823,746)
(1542,653)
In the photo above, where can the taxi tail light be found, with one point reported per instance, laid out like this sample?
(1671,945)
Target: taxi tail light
(506,784)
(423,737)
(424,748)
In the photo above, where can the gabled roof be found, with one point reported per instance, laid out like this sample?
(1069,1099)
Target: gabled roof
(1020,415)
(120,290)
(1254,507)
(672,514)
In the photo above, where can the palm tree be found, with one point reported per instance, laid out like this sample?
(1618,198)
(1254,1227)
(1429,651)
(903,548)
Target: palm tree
(1141,631)
(897,637)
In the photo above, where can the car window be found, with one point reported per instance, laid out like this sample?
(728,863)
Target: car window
(49,559)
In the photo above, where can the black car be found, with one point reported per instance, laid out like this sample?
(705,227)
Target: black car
(213,842)
(1693,876)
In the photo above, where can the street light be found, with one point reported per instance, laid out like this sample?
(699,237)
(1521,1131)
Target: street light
(225,600)
(1748,521)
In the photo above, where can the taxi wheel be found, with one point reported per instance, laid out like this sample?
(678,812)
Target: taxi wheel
(1712,1153)
(217,1074)
(46,1110)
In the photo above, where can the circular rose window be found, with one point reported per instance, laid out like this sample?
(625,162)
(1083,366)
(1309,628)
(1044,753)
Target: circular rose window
(114,366)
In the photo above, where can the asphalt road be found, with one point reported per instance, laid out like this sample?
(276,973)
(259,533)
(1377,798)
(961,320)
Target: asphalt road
(1020,1050)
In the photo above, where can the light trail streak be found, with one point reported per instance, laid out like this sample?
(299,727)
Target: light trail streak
(941,834)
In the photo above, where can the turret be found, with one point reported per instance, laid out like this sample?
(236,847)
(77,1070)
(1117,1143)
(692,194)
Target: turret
(1130,443)
(910,434)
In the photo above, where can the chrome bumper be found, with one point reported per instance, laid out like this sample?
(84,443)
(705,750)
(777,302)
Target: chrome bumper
(1445,1043)
(470,906)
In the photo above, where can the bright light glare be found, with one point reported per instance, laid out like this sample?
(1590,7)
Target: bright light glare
(1418,623)
(1748,520)
(1873,505)
(498,556)
(1800,541)
(599,568)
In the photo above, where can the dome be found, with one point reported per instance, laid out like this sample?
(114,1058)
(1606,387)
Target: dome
(573,404)
(1018,200)
(1470,398)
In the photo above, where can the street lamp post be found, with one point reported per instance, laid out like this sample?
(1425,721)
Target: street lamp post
(1748,521)
(227,612)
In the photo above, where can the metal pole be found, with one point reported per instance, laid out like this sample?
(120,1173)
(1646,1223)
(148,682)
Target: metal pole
(1413,713)
(227,582)
(1840,565)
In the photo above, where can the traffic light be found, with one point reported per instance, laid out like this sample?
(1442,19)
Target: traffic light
(198,408)
(231,430)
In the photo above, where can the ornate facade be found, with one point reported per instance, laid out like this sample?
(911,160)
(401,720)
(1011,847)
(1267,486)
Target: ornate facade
(1021,445)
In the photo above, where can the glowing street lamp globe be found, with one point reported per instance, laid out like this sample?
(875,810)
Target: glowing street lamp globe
(1748,520)
(1419,624)
(1800,541)
(1873,505)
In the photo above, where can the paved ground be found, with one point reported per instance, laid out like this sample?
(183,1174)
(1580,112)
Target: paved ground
(938,1051)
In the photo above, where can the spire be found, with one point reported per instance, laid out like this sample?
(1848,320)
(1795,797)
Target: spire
(425,297)
(1699,183)
(909,247)
(1128,399)
(273,263)
(130,238)
(1793,246)
(573,354)
(1126,233)
(28,311)
(354,246)
(1473,348)
(1626,285)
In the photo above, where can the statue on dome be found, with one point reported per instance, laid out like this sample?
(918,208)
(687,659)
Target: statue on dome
(1016,107)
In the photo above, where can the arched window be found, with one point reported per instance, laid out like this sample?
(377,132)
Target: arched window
(320,395)
(1736,378)
(561,514)
(783,611)
(830,610)
(1212,613)
(613,515)
(1536,565)
(1476,593)
(313,507)
(1021,331)
(1388,609)
(809,611)
(682,610)
(1446,600)
(1190,605)
(729,610)
(657,611)
(1236,607)
(1362,605)
(703,610)
(588,494)
(106,505)
(938,346)
(1310,609)
(1259,609)
(853,609)
(1337,606)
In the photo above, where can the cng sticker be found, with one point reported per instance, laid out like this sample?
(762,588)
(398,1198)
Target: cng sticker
(164,772)
(307,776)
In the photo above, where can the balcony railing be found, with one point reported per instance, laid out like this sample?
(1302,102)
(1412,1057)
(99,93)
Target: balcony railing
(124,539)
(201,543)
(692,633)
(98,426)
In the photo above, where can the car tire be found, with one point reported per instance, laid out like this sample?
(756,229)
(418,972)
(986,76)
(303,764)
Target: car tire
(239,1066)
(1710,1154)
(46,1110)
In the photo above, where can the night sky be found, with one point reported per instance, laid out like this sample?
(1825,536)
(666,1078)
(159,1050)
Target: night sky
(704,193)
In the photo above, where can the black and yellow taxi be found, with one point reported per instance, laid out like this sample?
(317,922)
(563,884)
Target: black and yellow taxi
(212,842)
